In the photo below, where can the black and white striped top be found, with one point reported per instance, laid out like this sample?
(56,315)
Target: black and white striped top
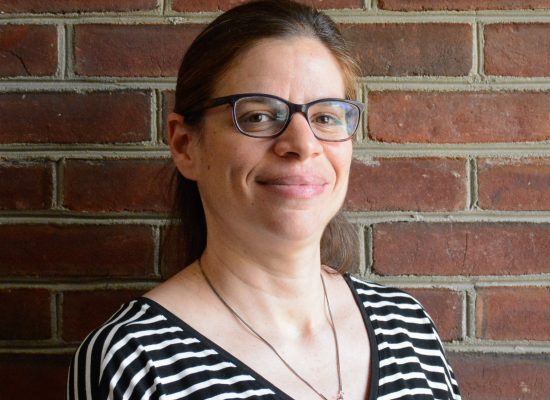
(146,352)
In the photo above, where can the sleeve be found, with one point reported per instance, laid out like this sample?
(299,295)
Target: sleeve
(450,378)
(112,367)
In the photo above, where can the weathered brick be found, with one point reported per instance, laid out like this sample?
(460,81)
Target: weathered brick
(132,50)
(513,313)
(461,5)
(27,50)
(63,117)
(76,251)
(215,5)
(459,117)
(445,308)
(77,324)
(514,184)
(461,248)
(117,185)
(60,6)
(33,376)
(517,49)
(412,49)
(25,314)
(422,184)
(502,376)
(25,185)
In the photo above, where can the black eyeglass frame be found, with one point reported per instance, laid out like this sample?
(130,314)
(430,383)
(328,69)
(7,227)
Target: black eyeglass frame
(292,108)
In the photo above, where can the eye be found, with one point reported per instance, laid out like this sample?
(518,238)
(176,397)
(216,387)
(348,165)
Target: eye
(256,117)
(326,120)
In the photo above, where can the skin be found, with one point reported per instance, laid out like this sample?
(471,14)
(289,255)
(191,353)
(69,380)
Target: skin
(267,202)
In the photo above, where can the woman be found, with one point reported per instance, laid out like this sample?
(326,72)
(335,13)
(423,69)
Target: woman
(261,142)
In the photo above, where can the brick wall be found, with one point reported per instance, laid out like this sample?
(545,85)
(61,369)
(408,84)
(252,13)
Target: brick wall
(450,189)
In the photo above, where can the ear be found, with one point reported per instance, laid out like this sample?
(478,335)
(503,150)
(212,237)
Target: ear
(183,143)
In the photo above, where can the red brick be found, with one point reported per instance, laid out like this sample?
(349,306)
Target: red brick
(63,117)
(25,314)
(459,117)
(77,324)
(27,50)
(421,184)
(215,5)
(25,185)
(445,308)
(502,376)
(33,376)
(461,248)
(57,6)
(508,184)
(132,50)
(117,185)
(412,49)
(76,251)
(461,5)
(517,49)
(513,313)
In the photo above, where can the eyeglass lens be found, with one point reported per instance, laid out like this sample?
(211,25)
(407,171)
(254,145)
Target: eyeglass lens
(260,116)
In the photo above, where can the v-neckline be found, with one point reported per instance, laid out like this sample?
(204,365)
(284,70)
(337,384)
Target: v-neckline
(279,393)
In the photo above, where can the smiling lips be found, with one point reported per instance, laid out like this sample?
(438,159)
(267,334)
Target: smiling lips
(295,186)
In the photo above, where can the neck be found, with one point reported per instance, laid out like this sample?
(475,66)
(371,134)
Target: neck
(286,289)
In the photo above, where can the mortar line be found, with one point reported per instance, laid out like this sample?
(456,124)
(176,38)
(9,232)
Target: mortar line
(370,250)
(464,315)
(498,348)
(58,311)
(69,53)
(360,232)
(53,191)
(59,185)
(455,283)
(364,139)
(468,171)
(168,7)
(464,282)
(480,41)
(471,313)
(375,83)
(474,184)
(61,71)
(475,52)
(361,217)
(156,251)
(153,112)
(359,15)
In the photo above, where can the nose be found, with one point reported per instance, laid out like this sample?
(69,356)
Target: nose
(298,140)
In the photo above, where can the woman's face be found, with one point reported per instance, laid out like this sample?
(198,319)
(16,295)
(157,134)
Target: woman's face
(273,189)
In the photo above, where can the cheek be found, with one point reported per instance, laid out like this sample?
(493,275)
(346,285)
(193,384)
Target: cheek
(341,157)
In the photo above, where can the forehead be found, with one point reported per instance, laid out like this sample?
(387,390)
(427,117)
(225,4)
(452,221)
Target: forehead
(300,69)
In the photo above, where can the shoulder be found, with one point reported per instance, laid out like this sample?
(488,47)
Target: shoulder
(407,341)
(397,317)
(103,356)
(379,296)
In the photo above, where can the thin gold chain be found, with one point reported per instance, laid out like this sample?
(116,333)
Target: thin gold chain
(340,395)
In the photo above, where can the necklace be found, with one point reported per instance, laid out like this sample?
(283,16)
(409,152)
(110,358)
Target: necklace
(340,395)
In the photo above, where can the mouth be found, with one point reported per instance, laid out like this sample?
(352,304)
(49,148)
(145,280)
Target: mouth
(295,186)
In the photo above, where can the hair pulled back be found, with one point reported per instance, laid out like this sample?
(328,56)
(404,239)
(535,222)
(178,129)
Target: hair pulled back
(210,55)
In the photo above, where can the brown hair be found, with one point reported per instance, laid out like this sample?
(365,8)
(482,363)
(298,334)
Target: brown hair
(203,65)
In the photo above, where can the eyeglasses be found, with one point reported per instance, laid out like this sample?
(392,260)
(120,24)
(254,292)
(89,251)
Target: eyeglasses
(267,116)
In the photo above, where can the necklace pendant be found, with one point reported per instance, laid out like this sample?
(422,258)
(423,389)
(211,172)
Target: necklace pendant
(340,395)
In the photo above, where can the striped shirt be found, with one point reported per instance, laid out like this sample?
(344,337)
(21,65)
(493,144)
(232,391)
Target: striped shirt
(146,352)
